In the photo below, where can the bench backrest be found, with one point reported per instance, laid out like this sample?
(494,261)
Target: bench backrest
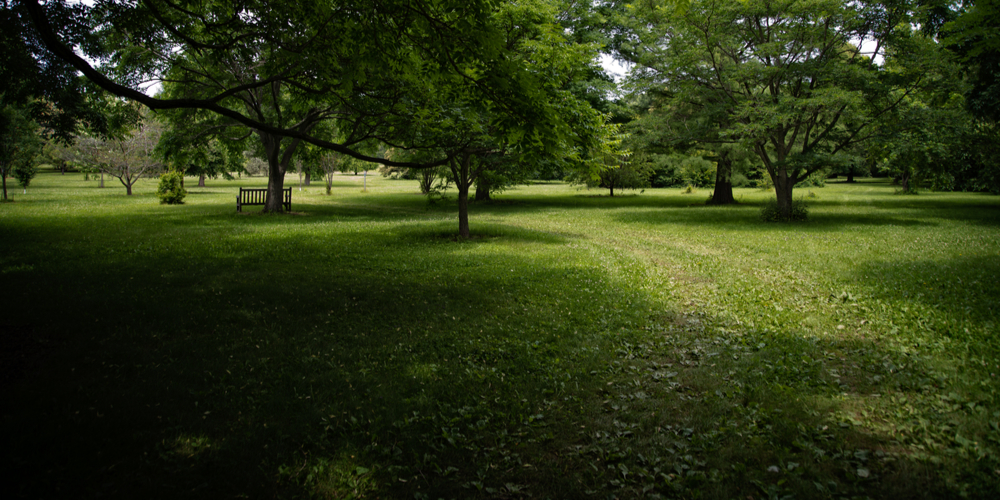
(258,196)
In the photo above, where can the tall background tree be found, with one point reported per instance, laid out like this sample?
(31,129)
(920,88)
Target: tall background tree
(797,81)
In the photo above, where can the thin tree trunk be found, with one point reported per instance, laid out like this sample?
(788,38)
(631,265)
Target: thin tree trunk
(460,171)
(201,181)
(612,188)
(723,194)
(4,187)
(463,212)
(102,180)
(904,182)
(275,173)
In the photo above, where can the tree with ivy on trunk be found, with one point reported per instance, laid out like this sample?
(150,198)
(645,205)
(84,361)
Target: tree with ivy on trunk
(800,81)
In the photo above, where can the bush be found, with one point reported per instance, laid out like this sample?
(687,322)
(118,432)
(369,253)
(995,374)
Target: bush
(769,212)
(170,190)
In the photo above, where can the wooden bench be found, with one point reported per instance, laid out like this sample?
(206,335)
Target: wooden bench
(258,196)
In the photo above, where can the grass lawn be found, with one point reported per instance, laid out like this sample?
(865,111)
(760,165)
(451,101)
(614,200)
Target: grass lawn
(579,346)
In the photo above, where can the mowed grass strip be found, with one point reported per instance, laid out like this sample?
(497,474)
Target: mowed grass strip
(577,346)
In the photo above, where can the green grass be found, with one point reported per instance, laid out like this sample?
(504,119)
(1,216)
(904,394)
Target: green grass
(578,346)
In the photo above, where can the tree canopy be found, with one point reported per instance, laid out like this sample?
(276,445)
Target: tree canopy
(796,82)
(375,70)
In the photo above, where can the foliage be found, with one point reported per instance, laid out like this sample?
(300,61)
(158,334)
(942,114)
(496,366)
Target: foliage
(191,153)
(747,62)
(253,165)
(966,29)
(697,171)
(128,157)
(609,165)
(339,74)
(48,89)
(329,163)
(170,189)
(24,172)
(19,145)
(930,139)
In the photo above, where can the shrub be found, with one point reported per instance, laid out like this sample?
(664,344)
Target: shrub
(170,190)
(770,213)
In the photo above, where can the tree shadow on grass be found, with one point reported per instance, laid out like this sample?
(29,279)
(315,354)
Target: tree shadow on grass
(193,375)
(387,363)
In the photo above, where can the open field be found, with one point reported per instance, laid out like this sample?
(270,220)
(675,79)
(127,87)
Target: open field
(578,346)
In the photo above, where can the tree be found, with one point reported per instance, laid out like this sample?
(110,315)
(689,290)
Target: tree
(373,69)
(792,77)
(477,135)
(24,173)
(191,154)
(968,29)
(130,157)
(688,120)
(328,162)
(47,88)
(607,166)
(19,144)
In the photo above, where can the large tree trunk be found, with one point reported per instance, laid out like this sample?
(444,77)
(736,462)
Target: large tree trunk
(128,189)
(723,194)
(201,181)
(850,176)
(275,173)
(482,189)
(308,179)
(904,182)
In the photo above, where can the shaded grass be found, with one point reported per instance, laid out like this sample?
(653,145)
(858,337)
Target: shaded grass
(579,346)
